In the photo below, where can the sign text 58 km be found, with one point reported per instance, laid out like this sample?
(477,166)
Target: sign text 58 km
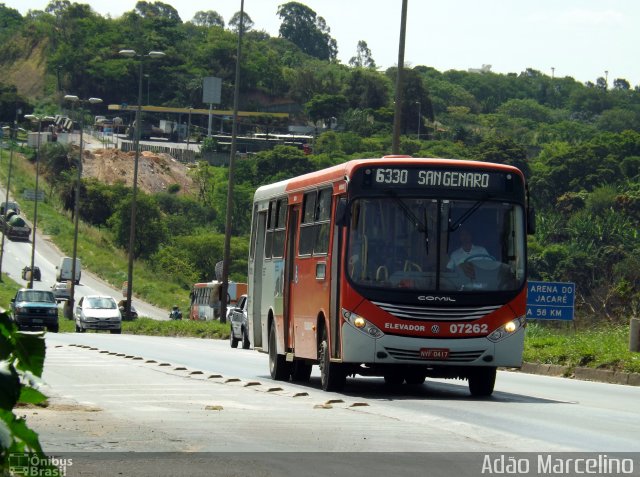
(550,300)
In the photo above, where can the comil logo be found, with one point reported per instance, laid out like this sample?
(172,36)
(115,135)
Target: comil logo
(38,465)
(439,299)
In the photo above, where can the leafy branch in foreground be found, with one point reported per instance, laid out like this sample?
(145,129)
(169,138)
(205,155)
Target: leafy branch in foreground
(21,364)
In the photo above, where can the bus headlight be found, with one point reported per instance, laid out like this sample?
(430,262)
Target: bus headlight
(361,324)
(507,329)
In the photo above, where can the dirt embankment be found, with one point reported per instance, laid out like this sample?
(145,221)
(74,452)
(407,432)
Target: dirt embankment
(156,171)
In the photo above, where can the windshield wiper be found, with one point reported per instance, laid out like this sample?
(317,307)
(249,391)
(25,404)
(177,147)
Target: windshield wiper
(467,214)
(417,223)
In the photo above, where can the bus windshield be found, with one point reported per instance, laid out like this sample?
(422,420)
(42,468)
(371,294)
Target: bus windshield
(436,245)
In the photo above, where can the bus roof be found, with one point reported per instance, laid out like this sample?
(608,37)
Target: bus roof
(346,169)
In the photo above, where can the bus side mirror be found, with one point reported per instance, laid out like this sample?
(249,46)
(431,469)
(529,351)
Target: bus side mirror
(341,212)
(531,220)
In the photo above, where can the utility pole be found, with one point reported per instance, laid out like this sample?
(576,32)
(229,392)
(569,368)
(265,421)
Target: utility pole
(397,114)
(234,132)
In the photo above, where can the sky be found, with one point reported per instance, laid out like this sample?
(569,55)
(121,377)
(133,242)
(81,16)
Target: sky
(583,39)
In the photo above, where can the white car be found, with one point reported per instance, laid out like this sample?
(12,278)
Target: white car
(96,312)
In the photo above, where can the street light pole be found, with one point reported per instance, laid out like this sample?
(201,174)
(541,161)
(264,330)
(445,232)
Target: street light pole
(6,200)
(132,230)
(35,207)
(76,205)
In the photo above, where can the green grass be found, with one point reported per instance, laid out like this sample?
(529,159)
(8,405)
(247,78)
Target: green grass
(147,326)
(604,346)
(8,289)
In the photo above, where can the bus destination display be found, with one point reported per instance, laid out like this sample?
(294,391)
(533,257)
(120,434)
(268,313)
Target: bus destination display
(435,178)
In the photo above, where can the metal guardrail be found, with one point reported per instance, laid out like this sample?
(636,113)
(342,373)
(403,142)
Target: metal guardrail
(178,153)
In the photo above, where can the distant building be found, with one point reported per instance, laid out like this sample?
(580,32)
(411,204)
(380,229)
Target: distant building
(484,69)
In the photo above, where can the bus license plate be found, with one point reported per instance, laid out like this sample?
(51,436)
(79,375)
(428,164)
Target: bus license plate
(434,353)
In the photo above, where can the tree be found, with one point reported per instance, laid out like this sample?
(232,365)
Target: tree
(99,201)
(367,89)
(415,99)
(234,23)
(503,151)
(302,27)
(150,228)
(209,18)
(10,101)
(282,162)
(10,21)
(525,109)
(363,57)
(621,83)
(157,10)
(323,107)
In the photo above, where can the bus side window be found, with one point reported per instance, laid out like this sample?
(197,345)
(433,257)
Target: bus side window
(307,229)
(279,228)
(323,217)
(271,222)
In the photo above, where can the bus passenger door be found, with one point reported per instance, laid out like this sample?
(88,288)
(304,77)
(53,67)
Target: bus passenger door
(290,276)
(257,265)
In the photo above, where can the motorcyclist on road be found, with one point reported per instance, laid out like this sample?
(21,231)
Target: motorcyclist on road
(175,314)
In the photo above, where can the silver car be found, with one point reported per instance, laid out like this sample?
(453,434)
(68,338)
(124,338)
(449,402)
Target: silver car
(61,290)
(239,320)
(96,312)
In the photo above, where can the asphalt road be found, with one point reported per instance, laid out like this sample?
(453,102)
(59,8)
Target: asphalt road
(141,393)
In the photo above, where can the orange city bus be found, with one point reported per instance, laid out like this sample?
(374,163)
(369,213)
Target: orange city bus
(367,268)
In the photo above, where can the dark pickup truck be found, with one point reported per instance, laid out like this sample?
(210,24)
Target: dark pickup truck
(14,226)
(35,309)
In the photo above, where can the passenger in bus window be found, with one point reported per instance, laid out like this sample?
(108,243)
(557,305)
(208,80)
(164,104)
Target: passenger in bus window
(467,251)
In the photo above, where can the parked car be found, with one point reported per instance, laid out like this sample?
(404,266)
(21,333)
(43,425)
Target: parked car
(122,307)
(35,309)
(239,322)
(61,290)
(36,273)
(97,312)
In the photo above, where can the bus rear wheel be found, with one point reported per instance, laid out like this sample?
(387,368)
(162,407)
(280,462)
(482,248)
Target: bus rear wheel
(332,375)
(278,366)
(482,381)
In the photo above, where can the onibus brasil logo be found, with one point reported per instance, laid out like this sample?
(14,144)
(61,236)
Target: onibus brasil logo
(38,465)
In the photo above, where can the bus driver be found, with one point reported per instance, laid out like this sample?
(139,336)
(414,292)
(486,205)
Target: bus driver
(467,250)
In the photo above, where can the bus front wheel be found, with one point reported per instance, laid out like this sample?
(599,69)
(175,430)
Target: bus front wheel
(482,381)
(278,366)
(332,375)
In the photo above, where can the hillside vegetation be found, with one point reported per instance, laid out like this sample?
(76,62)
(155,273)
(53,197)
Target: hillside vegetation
(578,144)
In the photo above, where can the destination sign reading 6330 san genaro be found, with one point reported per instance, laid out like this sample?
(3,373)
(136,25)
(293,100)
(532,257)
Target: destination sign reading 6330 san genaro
(453,179)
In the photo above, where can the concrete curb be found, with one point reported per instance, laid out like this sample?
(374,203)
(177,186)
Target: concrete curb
(584,374)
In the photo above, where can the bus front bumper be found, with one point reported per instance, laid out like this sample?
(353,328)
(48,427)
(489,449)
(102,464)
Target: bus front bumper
(359,348)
